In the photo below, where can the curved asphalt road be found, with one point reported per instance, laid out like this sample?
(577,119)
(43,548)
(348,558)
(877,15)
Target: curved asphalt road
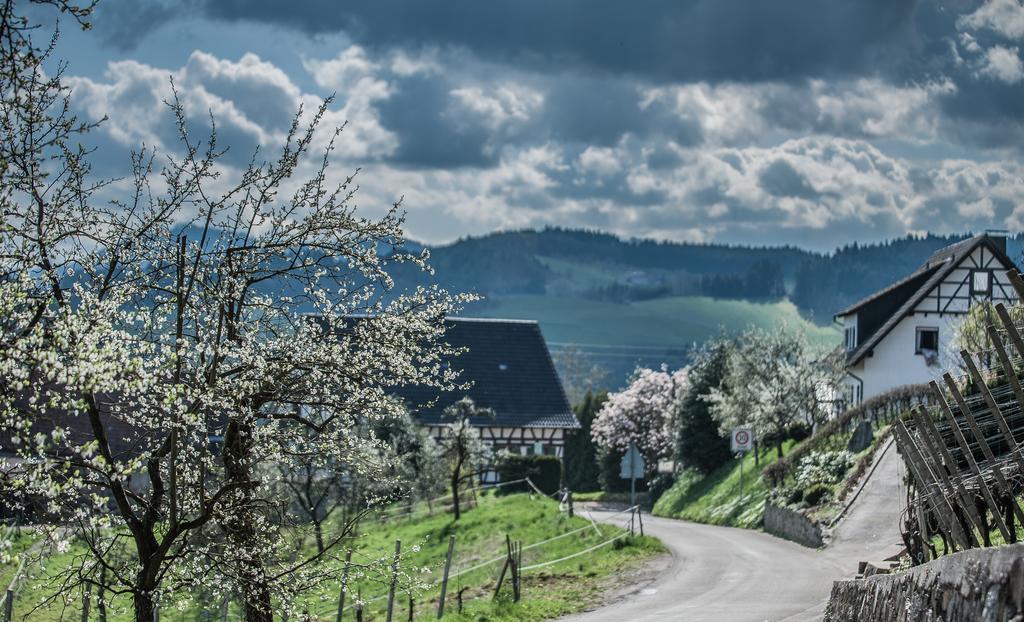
(725,574)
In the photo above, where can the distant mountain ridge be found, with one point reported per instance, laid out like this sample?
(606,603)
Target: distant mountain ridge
(598,266)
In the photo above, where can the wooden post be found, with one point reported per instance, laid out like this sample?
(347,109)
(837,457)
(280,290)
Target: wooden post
(924,479)
(507,566)
(224,606)
(986,492)
(1018,393)
(344,585)
(965,410)
(571,510)
(640,519)
(931,433)
(394,580)
(444,578)
(517,554)
(1013,275)
(932,461)
(359,606)
(412,606)
(8,605)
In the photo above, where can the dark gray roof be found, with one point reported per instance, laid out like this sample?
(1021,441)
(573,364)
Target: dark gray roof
(511,371)
(899,299)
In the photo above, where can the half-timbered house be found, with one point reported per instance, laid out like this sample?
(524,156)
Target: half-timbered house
(904,333)
(509,370)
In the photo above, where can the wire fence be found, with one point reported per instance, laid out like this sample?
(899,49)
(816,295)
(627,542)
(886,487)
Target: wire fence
(628,529)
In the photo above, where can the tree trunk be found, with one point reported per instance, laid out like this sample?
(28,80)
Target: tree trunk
(144,606)
(456,476)
(455,495)
(142,598)
(319,531)
(778,448)
(240,527)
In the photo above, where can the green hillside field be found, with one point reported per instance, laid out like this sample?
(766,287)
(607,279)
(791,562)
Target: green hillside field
(570,564)
(619,336)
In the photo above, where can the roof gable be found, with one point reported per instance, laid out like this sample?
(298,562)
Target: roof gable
(903,296)
(510,370)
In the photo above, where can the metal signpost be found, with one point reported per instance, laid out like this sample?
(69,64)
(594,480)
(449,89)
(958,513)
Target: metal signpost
(632,468)
(741,440)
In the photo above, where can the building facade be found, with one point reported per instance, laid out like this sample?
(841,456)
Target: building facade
(509,369)
(905,333)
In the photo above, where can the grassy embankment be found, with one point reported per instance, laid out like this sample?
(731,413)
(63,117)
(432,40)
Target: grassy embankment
(718,498)
(548,592)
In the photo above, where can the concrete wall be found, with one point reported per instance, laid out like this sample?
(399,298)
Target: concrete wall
(791,525)
(979,584)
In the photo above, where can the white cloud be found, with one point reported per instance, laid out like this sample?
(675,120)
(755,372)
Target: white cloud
(603,161)
(500,105)
(1005,17)
(1003,64)
(981,209)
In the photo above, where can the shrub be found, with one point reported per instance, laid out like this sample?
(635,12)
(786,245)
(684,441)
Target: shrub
(823,467)
(817,494)
(544,471)
(658,486)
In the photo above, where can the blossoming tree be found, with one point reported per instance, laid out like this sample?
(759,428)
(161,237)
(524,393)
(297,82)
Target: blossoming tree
(774,379)
(168,340)
(641,414)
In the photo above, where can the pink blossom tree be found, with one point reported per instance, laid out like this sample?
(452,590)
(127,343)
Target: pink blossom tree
(641,414)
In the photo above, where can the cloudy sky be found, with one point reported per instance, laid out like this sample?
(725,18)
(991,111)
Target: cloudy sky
(811,122)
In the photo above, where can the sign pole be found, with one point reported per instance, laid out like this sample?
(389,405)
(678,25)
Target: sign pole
(632,477)
(741,475)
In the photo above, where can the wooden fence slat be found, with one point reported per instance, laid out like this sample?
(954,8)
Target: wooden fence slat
(1013,275)
(1011,328)
(990,400)
(971,462)
(927,446)
(928,428)
(925,481)
(986,449)
(444,580)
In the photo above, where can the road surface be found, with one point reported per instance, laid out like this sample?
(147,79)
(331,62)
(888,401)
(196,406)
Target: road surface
(727,574)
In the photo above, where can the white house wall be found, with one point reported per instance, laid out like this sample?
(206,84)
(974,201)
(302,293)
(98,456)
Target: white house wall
(894,362)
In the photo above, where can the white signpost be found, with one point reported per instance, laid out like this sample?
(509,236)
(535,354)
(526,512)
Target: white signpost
(632,467)
(741,440)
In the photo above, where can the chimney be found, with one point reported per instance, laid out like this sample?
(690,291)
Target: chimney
(998,236)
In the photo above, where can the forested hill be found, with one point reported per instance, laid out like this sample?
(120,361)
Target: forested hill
(602,267)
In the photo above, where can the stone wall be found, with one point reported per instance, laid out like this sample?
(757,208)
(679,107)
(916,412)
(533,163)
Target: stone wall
(791,525)
(979,584)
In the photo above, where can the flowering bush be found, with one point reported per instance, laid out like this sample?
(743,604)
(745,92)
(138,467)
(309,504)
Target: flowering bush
(641,414)
(823,467)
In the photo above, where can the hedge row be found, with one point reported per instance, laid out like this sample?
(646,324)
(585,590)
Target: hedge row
(881,408)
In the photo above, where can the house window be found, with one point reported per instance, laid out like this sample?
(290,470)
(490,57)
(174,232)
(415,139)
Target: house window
(927,340)
(981,282)
(850,337)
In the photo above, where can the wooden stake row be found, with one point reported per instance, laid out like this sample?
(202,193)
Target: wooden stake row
(957,501)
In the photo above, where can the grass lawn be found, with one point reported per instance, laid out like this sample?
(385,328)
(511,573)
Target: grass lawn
(719,498)
(548,592)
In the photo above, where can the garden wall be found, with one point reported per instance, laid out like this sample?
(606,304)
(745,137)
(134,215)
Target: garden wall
(791,525)
(978,584)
